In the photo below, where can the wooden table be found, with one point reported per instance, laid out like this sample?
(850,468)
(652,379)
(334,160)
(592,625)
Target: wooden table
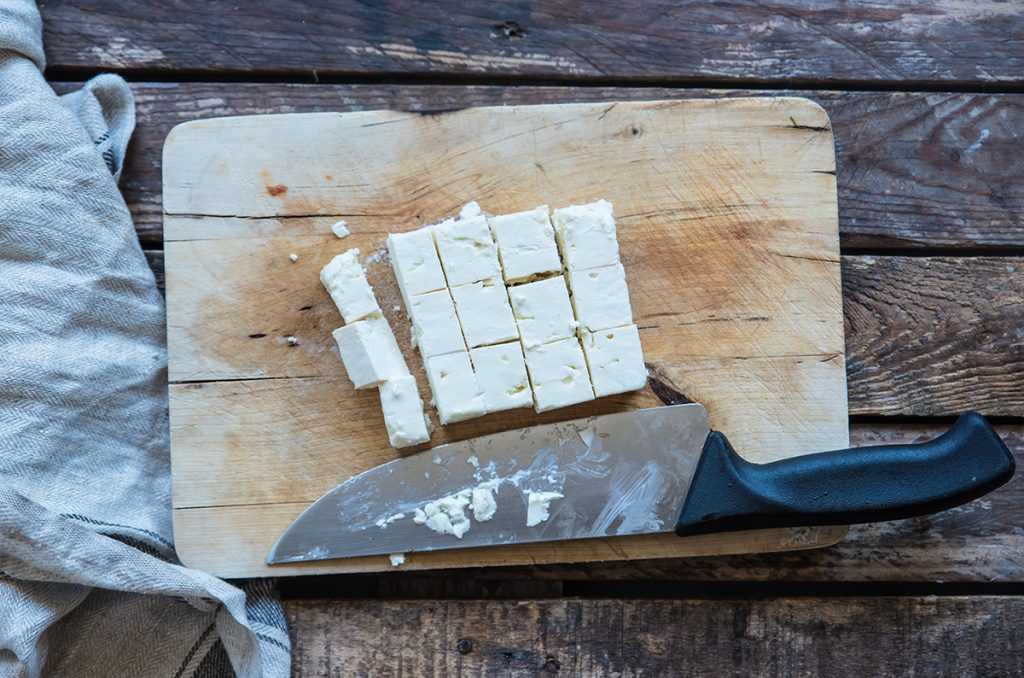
(927,105)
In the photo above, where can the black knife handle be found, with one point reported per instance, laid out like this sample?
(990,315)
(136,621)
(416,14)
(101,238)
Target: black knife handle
(844,487)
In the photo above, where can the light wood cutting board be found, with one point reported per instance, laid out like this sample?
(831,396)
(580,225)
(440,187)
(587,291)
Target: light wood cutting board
(728,230)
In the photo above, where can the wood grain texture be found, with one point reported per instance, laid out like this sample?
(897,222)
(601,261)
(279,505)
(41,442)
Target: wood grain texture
(914,170)
(918,41)
(902,636)
(733,189)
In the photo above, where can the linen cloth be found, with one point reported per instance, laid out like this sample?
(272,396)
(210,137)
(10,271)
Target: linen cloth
(89,581)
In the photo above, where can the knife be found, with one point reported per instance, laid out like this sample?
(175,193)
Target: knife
(641,472)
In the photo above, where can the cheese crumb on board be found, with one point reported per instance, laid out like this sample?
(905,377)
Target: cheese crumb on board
(456,392)
(542,311)
(397,559)
(600,297)
(340,229)
(369,352)
(586,235)
(501,374)
(558,373)
(414,258)
(403,412)
(435,327)
(537,505)
(616,360)
(346,282)
(470,210)
(526,244)
(467,251)
(294,257)
(484,313)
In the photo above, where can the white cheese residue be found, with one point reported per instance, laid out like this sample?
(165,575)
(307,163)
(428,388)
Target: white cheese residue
(537,504)
(484,505)
(339,229)
(473,461)
(469,210)
(384,522)
(397,559)
(446,515)
(293,256)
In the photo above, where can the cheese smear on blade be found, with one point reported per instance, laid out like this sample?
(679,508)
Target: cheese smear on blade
(446,515)
(537,504)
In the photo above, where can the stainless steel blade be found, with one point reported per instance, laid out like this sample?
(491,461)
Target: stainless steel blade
(619,474)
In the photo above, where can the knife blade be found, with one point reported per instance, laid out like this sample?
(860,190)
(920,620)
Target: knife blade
(657,470)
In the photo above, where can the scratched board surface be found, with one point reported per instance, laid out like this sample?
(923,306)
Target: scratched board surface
(728,230)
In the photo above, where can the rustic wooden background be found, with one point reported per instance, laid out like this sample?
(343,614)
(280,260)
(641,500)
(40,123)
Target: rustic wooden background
(927,105)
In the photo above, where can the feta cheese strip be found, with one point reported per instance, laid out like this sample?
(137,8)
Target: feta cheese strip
(600,297)
(526,244)
(346,282)
(542,311)
(467,250)
(369,352)
(501,374)
(586,235)
(414,258)
(616,360)
(403,412)
(558,374)
(435,327)
(484,313)
(456,392)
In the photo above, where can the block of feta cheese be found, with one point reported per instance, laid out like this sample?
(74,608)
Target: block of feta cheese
(435,327)
(414,258)
(616,360)
(456,392)
(600,297)
(526,244)
(346,282)
(586,235)
(501,374)
(542,311)
(403,412)
(467,250)
(558,374)
(369,352)
(484,313)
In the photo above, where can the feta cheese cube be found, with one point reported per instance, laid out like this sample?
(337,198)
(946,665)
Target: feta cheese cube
(542,311)
(369,352)
(456,392)
(526,244)
(468,253)
(414,258)
(403,412)
(586,235)
(558,373)
(484,313)
(346,282)
(600,297)
(501,374)
(616,360)
(435,327)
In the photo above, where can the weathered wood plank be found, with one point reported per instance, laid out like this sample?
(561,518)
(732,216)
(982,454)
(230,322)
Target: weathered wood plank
(953,636)
(913,169)
(918,41)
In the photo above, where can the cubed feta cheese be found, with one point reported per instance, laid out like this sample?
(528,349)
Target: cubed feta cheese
(526,244)
(414,258)
(600,297)
(456,392)
(435,327)
(616,360)
(369,352)
(542,311)
(468,253)
(346,282)
(403,412)
(586,235)
(484,313)
(501,374)
(558,373)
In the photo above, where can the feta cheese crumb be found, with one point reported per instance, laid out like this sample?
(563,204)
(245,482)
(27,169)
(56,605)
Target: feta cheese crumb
(473,461)
(292,341)
(470,210)
(339,229)
(537,504)
(397,559)
(293,256)
(484,505)
(384,522)
(446,515)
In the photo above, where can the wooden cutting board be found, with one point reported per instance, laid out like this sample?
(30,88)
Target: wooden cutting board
(728,231)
